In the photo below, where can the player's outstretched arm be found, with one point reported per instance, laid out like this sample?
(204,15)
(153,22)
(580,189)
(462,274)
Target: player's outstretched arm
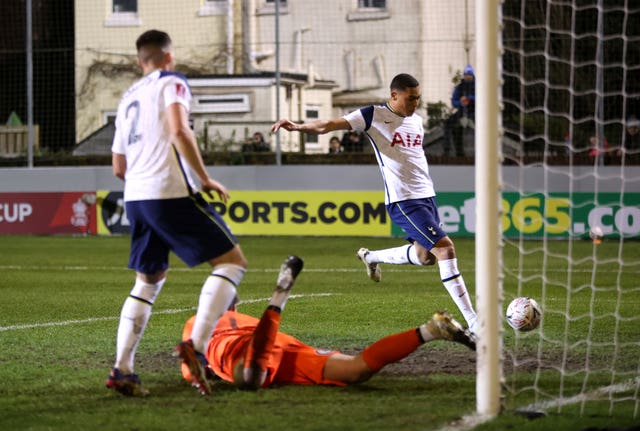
(317,127)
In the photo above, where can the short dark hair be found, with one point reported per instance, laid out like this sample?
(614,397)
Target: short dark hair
(152,44)
(403,81)
(156,38)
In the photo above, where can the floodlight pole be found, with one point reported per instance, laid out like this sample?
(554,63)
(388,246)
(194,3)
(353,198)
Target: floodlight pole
(30,131)
(488,197)
(277,31)
(600,117)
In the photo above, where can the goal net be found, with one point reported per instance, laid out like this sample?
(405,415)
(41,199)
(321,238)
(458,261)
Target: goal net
(571,204)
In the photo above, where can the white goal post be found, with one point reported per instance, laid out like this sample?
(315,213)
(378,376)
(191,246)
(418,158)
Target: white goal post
(558,219)
(487,178)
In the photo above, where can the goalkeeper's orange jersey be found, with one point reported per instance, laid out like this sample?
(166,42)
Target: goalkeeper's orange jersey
(291,361)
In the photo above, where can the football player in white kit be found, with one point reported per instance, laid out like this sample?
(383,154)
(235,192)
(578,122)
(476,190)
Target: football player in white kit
(395,132)
(152,148)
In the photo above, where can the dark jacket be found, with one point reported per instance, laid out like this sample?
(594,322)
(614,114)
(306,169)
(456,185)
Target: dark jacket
(465,89)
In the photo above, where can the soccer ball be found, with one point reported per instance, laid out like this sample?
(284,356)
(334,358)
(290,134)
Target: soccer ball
(523,314)
(595,233)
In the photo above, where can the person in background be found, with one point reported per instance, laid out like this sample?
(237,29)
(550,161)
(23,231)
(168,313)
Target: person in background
(352,142)
(256,144)
(259,144)
(252,353)
(463,99)
(335,147)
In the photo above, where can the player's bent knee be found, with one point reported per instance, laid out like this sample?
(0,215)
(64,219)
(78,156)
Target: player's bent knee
(233,256)
(444,252)
(229,271)
(429,259)
(147,292)
(419,253)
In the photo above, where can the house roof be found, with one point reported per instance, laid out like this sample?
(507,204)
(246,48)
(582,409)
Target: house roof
(262,77)
(357,98)
(98,143)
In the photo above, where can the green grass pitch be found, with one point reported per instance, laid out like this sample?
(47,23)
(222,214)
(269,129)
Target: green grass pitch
(61,298)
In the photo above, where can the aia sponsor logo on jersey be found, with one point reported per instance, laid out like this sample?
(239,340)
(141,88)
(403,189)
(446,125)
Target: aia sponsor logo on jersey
(181,91)
(406,140)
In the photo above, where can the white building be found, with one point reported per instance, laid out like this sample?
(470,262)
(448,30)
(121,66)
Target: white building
(335,55)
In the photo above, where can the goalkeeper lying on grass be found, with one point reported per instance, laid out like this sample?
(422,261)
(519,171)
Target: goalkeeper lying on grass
(252,353)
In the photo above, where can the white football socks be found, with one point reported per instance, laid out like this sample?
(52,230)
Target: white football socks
(402,255)
(217,294)
(454,283)
(133,321)
(279,298)
(425,334)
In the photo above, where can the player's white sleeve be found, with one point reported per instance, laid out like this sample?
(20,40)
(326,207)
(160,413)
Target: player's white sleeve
(356,120)
(119,142)
(176,91)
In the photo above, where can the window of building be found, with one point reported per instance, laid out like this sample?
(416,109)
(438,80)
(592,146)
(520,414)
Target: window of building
(311,113)
(213,7)
(221,103)
(123,13)
(369,10)
(377,4)
(268,7)
(120,6)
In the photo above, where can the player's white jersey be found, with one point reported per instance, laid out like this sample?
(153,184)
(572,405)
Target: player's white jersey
(397,142)
(154,168)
